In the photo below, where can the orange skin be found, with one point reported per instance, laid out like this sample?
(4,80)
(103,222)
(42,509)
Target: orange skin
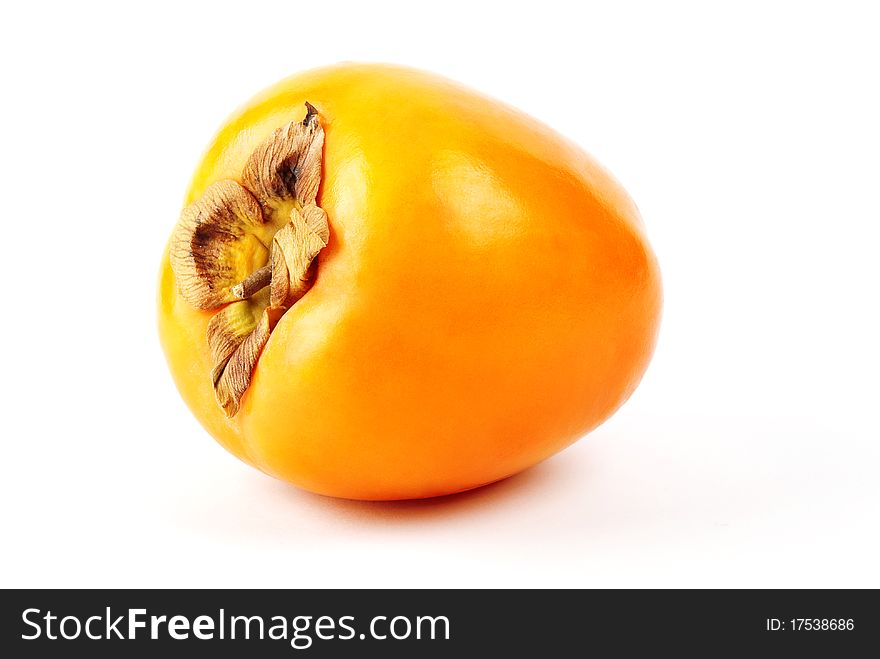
(487,296)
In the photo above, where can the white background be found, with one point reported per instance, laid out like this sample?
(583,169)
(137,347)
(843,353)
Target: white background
(747,135)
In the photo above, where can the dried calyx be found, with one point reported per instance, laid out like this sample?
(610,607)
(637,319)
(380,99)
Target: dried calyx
(246,249)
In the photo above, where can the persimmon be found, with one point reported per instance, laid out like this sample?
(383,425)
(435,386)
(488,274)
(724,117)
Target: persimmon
(384,285)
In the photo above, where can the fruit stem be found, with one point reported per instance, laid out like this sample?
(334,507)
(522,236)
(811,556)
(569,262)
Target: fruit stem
(253,283)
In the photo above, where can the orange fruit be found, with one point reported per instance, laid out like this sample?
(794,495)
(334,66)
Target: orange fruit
(486,296)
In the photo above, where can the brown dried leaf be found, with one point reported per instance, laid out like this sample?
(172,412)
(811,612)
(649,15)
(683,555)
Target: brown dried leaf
(286,168)
(226,331)
(236,356)
(207,244)
(294,248)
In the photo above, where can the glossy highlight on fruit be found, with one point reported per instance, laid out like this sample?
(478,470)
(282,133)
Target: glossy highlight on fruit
(384,285)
